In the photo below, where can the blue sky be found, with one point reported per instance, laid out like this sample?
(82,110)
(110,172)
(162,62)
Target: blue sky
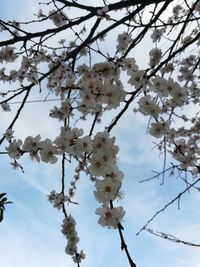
(30,233)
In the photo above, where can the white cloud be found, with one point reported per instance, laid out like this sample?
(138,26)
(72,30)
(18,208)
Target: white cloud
(36,246)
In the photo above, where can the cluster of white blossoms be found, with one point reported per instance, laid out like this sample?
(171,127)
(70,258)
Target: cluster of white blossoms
(58,17)
(13,149)
(102,163)
(63,112)
(155,56)
(5,107)
(87,90)
(57,199)
(97,89)
(100,87)
(170,91)
(69,231)
(108,180)
(9,134)
(69,141)
(159,129)
(7,54)
(161,97)
(197,7)
(124,39)
(28,69)
(110,217)
(186,69)
(157,34)
(148,106)
(186,152)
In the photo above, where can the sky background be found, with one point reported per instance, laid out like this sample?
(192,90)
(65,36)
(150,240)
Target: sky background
(30,232)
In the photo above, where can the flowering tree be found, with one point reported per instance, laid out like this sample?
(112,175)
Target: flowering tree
(93,73)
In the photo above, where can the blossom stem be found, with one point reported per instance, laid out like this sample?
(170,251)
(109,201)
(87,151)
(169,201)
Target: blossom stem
(123,243)
(63,183)
(124,246)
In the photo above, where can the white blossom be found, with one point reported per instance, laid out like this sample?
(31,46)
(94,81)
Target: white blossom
(58,17)
(157,34)
(31,143)
(7,54)
(179,94)
(5,107)
(14,150)
(48,151)
(197,7)
(176,10)
(158,129)
(110,217)
(155,56)
(129,64)
(148,106)
(160,86)
(9,134)
(106,190)
(115,175)
(100,164)
(112,94)
(57,199)
(123,40)
(137,79)
(82,145)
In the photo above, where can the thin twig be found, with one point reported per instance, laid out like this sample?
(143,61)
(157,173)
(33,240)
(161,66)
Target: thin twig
(171,238)
(177,198)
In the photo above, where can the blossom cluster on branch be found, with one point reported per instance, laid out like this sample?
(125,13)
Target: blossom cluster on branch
(92,79)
